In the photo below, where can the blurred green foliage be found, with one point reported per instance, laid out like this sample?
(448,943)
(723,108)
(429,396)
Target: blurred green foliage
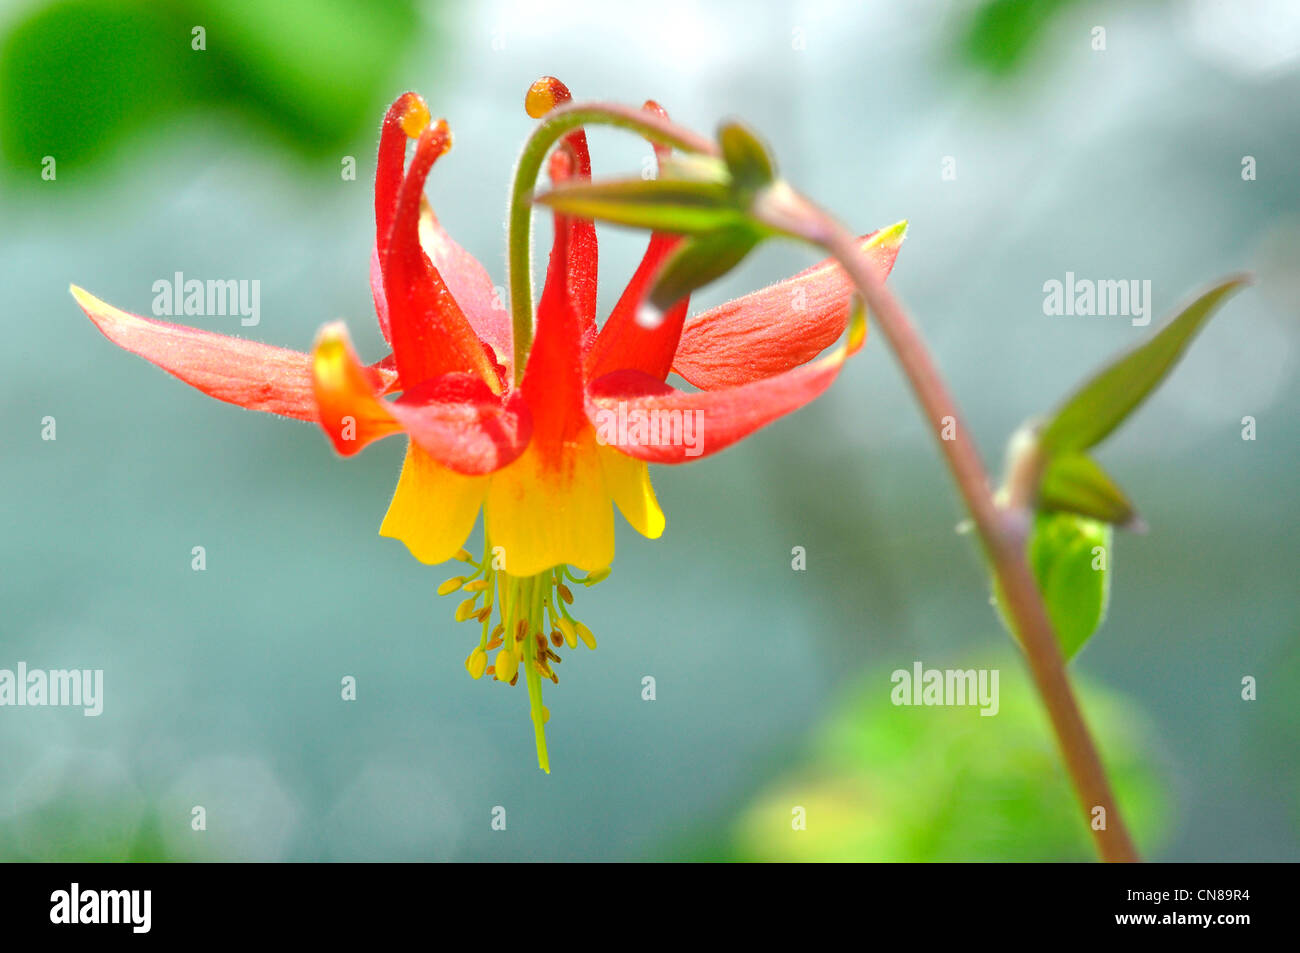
(1276,726)
(77,77)
(887,783)
(70,830)
(1000,35)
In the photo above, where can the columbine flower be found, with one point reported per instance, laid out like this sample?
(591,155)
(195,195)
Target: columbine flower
(545,455)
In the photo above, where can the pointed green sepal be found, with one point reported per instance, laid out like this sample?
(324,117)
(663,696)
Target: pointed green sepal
(747,159)
(698,260)
(1074,483)
(685,207)
(693,167)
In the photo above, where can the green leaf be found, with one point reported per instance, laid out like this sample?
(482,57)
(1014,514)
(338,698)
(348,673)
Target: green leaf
(1107,399)
(699,260)
(1070,557)
(79,78)
(666,205)
(1074,483)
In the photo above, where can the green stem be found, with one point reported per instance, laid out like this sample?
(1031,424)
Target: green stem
(558,123)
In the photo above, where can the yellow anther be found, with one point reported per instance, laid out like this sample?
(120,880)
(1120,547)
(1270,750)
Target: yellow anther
(415,118)
(570,634)
(463,556)
(476,663)
(599,575)
(466,609)
(588,639)
(451,585)
(478,585)
(507,666)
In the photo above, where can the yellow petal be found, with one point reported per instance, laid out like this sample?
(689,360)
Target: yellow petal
(433,509)
(628,482)
(546,513)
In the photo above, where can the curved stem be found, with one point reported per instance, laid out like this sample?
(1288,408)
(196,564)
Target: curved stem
(559,122)
(1000,532)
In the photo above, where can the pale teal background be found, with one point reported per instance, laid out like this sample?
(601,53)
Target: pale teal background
(223,686)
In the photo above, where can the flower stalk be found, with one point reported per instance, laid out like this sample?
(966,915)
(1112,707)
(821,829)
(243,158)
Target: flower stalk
(1001,529)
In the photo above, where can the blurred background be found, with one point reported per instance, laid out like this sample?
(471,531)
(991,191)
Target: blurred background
(772,686)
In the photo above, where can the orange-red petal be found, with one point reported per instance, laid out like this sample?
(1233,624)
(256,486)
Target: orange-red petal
(467,280)
(348,409)
(571,160)
(257,376)
(406,118)
(463,425)
(553,378)
(428,330)
(623,342)
(482,302)
(778,327)
(647,419)
(455,419)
